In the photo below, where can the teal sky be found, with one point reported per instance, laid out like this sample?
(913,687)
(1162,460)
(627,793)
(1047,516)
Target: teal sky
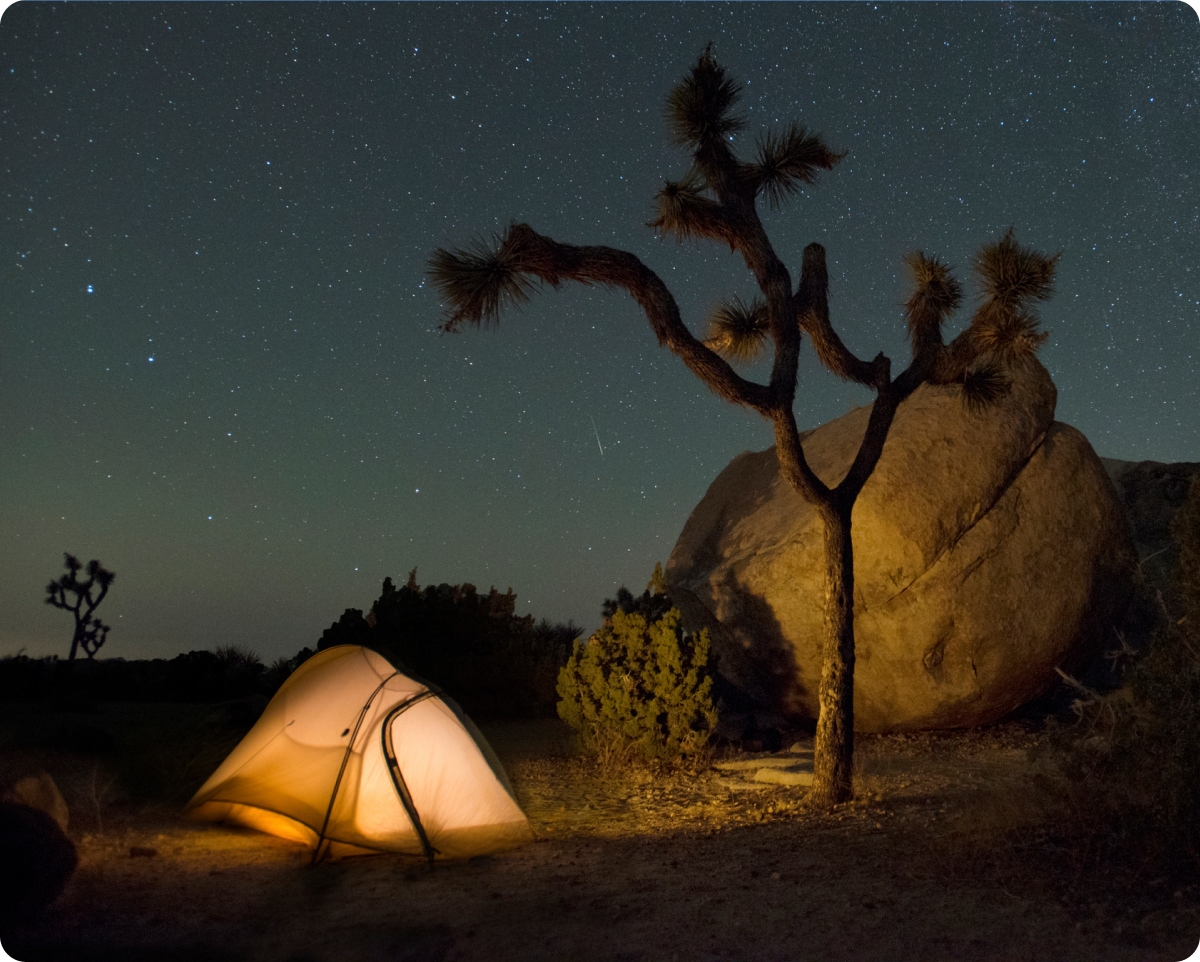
(222,374)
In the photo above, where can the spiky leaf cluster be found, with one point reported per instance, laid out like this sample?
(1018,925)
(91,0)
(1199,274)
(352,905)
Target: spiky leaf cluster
(684,210)
(788,159)
(699,107)
(480,280)
(738,331)
(983,387)
(1006,325)
(1008,334)
(1005,328)
(936,295)
(1012,275)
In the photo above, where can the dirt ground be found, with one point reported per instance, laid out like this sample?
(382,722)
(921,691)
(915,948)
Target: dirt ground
(940,857)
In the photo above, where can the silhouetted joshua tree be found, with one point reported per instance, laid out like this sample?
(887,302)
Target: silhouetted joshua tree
(90,633)
(717,200)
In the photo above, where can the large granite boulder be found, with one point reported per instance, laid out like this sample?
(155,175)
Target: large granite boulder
(990,548)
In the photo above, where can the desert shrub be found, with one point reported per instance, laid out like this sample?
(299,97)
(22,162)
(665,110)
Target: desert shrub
(473,646)
(1186,530)
(639,689)
(350,629)
(652,604)
(1132,757)
(238,658)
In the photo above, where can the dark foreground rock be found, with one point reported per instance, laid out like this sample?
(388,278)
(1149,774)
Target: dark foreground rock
(36,861)
(990,549)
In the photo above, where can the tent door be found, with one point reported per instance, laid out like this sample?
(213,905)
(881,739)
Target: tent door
(322,843)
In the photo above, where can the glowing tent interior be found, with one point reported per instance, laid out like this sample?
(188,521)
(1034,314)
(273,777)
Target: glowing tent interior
(353,757)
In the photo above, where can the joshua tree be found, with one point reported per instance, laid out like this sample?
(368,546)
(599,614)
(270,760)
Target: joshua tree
(90,633)
(717,200)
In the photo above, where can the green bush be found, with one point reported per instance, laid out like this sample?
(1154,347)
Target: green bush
(639,688)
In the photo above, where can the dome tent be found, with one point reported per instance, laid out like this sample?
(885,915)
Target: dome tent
(353,757)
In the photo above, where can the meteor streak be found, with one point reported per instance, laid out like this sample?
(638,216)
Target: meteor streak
(598,444)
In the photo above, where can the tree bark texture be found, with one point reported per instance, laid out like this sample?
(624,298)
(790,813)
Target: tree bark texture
(833,753)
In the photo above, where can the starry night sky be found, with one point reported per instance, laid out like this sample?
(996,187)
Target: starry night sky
(221,372)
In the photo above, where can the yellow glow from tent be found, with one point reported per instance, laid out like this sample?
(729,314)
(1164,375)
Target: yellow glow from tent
(272,823)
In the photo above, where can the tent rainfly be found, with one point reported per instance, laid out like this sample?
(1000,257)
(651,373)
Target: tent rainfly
(352,757)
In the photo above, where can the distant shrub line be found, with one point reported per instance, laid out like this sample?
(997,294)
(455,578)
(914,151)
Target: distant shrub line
(228,673)
(474,647)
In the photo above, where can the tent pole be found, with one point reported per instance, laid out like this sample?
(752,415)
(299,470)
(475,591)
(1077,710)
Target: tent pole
(321,840)
(389,753)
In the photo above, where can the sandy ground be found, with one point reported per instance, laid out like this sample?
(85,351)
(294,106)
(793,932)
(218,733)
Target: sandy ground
(938,858)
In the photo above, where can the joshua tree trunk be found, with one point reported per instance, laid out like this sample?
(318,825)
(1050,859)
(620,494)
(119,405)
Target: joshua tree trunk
(834,749)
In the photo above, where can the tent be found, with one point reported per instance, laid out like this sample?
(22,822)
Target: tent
(353,757)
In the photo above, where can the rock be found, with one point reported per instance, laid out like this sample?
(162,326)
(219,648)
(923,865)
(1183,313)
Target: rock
(775,770)
(737,785)
(36,861)
(754,764)
(783,776)
(37,790)
(990,548)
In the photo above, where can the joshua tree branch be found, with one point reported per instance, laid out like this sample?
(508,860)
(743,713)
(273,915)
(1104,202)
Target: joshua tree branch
(871,447)
(812,315)
(524,251)
(794,465)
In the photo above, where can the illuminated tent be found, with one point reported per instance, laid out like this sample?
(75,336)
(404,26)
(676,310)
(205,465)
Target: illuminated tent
(352,757)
